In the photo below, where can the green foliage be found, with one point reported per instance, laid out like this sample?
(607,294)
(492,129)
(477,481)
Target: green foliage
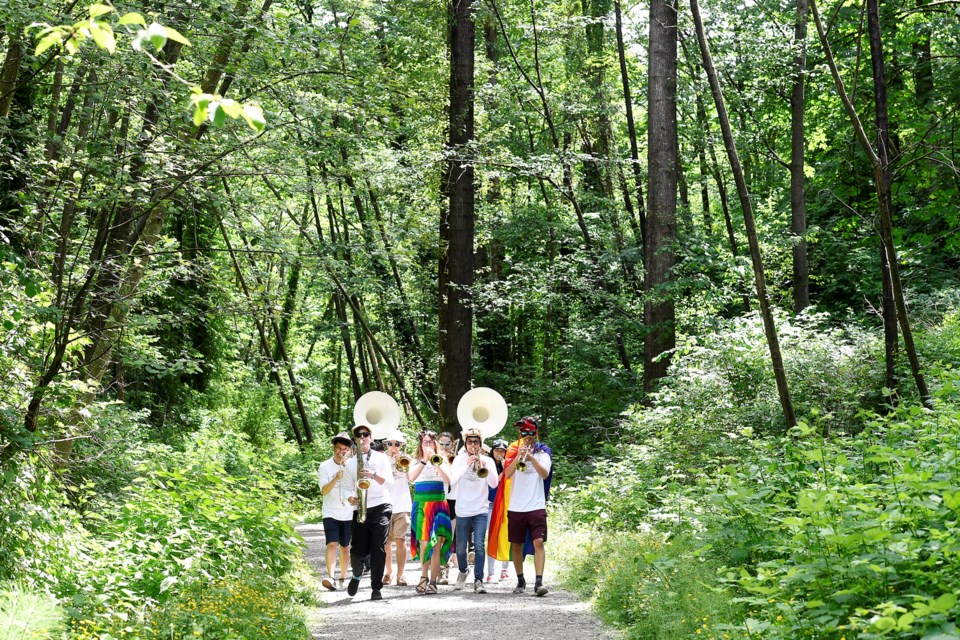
(246,608)
(837,529)
(24,614)
(653,589)
(189,526)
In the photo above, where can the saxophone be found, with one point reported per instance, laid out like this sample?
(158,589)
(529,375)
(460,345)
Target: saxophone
(362,485)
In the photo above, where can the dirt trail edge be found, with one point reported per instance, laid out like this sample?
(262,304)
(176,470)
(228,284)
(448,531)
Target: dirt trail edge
(449,615)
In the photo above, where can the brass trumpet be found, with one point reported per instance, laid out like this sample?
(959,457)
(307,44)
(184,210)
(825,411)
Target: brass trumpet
(436,460)
(522,463)
(481,470)
(403,462)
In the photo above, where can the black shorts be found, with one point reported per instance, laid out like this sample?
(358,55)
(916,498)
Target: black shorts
(452,505)
(337,531)
(519,522)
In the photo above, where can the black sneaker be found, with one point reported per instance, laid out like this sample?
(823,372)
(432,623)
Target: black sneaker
(521,586)
(376,595)
(541,590)
(353,586)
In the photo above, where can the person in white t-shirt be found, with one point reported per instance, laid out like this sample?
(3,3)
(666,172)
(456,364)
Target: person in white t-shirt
(527,513)
(402,503)
(370,536)
(467,475)
(338,483)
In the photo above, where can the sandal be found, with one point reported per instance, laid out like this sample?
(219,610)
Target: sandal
(422,585)
(401,582)
(431,588)
(386,579)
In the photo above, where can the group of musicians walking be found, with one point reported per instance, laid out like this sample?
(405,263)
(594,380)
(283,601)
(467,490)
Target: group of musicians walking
(497,501)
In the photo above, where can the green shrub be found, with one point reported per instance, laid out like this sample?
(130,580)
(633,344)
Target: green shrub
(25,614)
(653,589)
(248,607)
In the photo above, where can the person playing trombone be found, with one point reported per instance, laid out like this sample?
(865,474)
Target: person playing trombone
(402,504)
(431,529)
(337,481)
(473,474)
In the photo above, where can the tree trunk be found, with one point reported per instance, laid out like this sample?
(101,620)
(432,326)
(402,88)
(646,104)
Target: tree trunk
(457,230)
(660,234)
(769,327)
(631,128)
(798,213)
(880,168)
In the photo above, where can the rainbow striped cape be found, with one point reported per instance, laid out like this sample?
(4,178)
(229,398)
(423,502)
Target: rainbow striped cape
(498,545)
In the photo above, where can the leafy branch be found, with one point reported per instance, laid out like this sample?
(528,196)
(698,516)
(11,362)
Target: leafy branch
(98,28)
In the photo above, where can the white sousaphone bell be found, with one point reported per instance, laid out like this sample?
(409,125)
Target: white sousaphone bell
(379,411)
(484,409)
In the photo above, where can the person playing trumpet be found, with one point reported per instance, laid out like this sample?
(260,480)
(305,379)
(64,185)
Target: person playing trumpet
(523,501)
(337,479)
(402,505)
(473,474)
(431,529)
(498,451)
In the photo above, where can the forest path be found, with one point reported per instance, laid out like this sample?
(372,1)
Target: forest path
(449,615)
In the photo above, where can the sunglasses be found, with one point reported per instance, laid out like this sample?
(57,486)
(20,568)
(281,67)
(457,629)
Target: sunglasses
(391,443)
(445,444)
(363,434)
(525,433)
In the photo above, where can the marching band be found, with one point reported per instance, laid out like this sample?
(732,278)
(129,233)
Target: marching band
(498,508)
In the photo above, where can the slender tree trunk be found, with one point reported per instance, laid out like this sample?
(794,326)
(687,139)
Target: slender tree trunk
(881,169)
(264,342)
(10,72)
(631,128)
(769,327)
(702,141)
(660,234)
(798,213)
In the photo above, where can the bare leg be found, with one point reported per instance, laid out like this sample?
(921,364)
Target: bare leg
(344,562)
(388,563)
(332,558)
(435,559)
(517,550)
(401,557)
(539,556)
(425,566)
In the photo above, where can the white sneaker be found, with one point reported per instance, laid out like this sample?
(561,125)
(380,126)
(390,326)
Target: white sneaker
(478,587)
(461,580)
(329,584)
(489,579)
(504,575)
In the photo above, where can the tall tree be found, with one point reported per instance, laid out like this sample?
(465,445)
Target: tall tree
(457,225)
(766,313)
(660,235)
(798,212)
(880,163)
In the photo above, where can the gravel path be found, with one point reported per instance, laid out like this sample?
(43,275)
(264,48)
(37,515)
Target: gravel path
(449,615)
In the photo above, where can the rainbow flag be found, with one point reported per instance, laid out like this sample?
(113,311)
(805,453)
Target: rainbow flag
(498,545)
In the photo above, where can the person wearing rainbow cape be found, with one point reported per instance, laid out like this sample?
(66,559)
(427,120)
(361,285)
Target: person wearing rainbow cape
(519,521)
